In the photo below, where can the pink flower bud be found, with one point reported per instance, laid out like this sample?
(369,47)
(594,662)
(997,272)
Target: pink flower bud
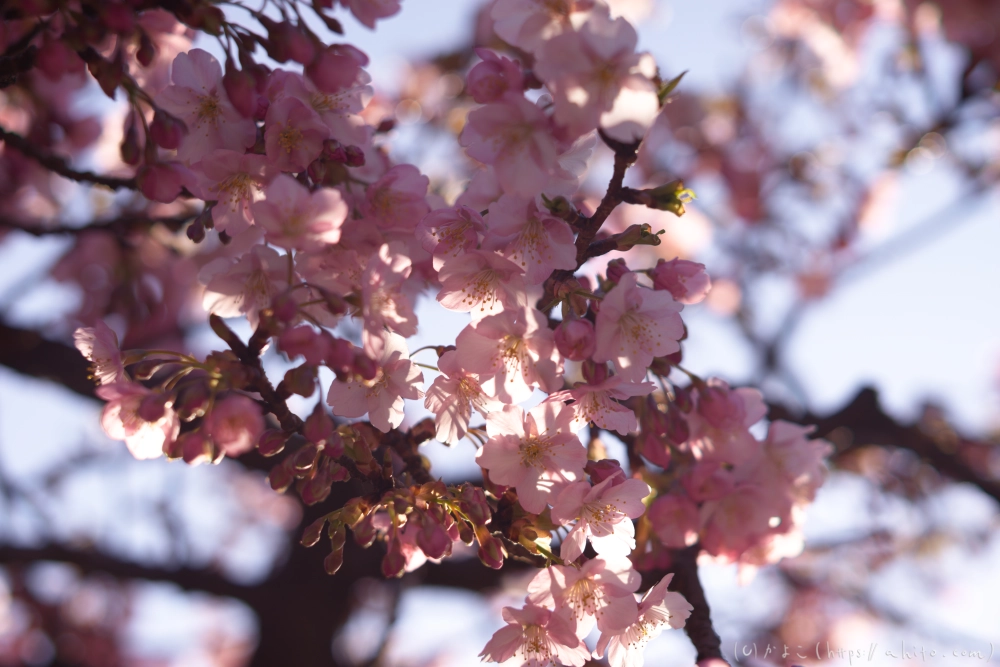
(616,269)
(166,131)
(153,407)
(575,339)
(161,181)
(432,538)
(334,151)
(365,367)
(720,407)
(355,156)
(146,51)
(339,353)
(271,442)
(130,150)
(394,562)
(336,67)
(474,505)
(494,76)
(235,423)
(687,282)
(195,448)
(605,469)
(301,380)
(318,427)
(192,400)
(55,58)
(595,373)
(364,531)
(490,550)
(303,340)
(241,89)
(117,17)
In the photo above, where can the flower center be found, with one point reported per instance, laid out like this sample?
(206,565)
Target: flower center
(236,188)
(289,138)
(532,451)
(208,108)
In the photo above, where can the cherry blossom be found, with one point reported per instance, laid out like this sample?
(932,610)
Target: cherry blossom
(495,75)
(234,424)
(121,420)
(535,452)
(247,286)
(536,637)
(513,135)
(719,424)
(368,11)
(597,403)
(601,590)
(537,242)
(198,98)
(659,608)
(234,179)
(294,135)
(481,282)
(296,219)
(512,353)
(381,397)
(383,303)
(674,518)
(603,514)
(634,325)
(99,344)
(587,70)
(397,201)
(452,397)
(527,24)
(448,232)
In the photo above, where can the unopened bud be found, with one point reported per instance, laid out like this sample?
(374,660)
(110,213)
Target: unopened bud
(333,562)
(490,551)
(166,131)
(153,407)
(355,156)
(575,339)
(394,562)
(193,399)
(616,269)
(196,448)
(271,442)
(146,51)
(318,427)
(365,367)
(594,372)
(130,146)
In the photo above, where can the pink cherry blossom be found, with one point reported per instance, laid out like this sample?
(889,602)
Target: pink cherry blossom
(381,397)
(234,179)
(686,281)
(514,136)
(575,339)
(674,518)
(481,282)
(535,452)
(600,590)
(495,75)
(234,424)
(452,397)
(398,200)
(198,98)
(527,24)
(338,110)
(512,353)
(536,637)
(294,136)
(100,346)
(383,302)
(448,232)
(121,420)
(368,11)
(719,424)
(587,69)
(294,218)
(246,286)
(636,324)
(534,240)
(603,514)
(737,521)
(597,403)
(659,608)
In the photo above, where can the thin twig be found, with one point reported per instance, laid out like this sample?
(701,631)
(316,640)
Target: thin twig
(59,164)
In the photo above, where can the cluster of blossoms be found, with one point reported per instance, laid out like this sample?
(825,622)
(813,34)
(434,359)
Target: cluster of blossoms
(317,225)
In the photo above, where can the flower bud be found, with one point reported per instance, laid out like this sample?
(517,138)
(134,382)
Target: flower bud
(318,427)
(161,181)
(192,401)
(241,89)
(595,373)
(604,469)
(336,67)
(281,476)
(355,156)
(686,281)
(271,442)
(146,51)
(575,339)
(166,131)
(333,562)
(490,550)
(394,562)
(616,269)
(196,448)
(130,151)
(364,366)
(153,407)
(339,353)
(301,380)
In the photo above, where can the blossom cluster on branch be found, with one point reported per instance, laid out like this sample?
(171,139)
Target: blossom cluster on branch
(317,225)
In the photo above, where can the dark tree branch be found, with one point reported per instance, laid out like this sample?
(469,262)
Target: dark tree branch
(123,224)
(59,164)
(699,625)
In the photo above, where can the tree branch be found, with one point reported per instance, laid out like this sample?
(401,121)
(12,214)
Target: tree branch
(125,223)
(59,164)
(699,624)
